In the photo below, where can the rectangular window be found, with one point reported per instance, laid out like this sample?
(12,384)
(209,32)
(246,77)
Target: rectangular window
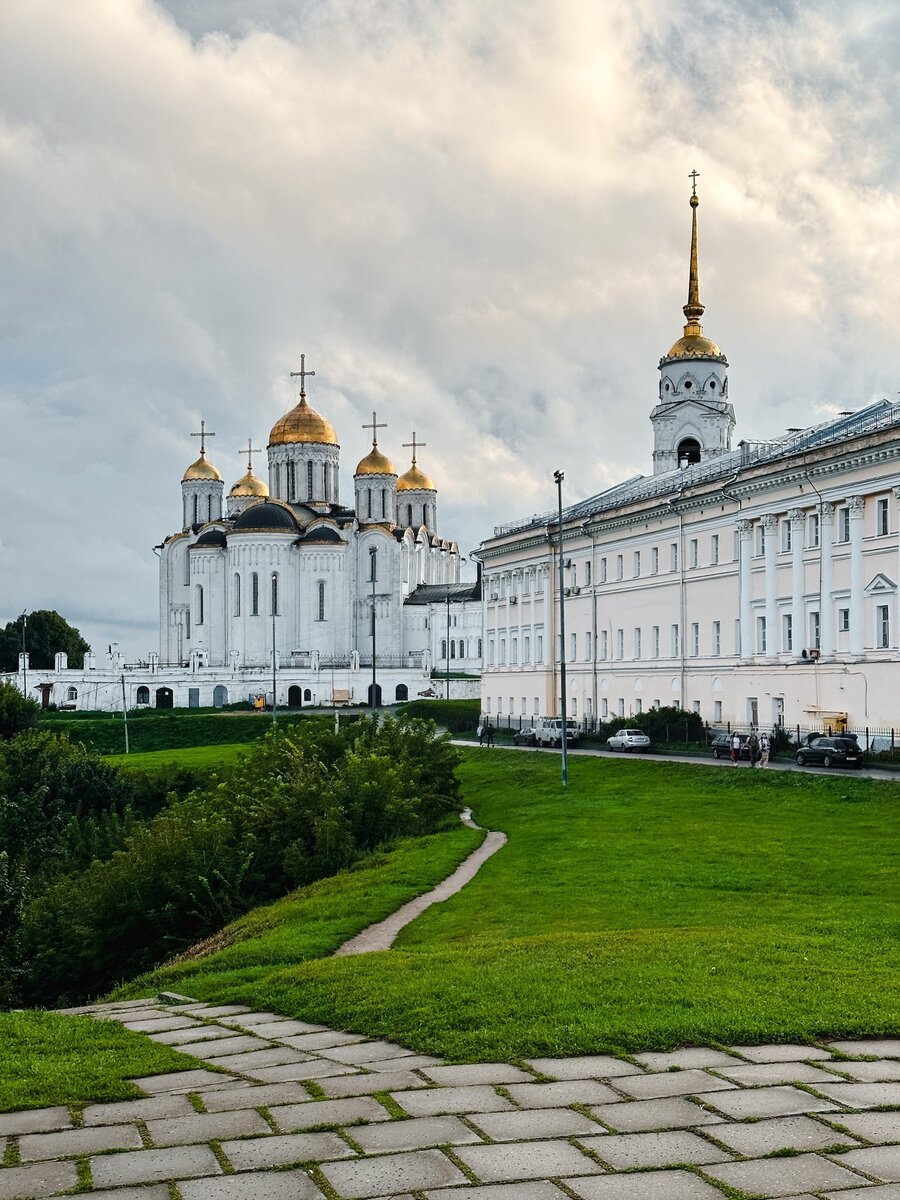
(621,707)
(574,653)
(883,625)
(717,711)
(656,704)
(737,636)
(526,658)
(587,647)
(637,643)
(695,704)
(844,620)
(604,644)
(654,561)
(539,657)
(843,524)
(254,594)
(736,546)
(513,652)
(714,549)
(604,709)
(695,552)
(786,535)
(603,570)
(814,631)
(499,705)
(654,641)
(320,589)
(587,573)
(695,639)
(490,652)
(537,706)
(573,707)
(760,635)
(637,564)
(526,583)
(787,633)
(620,566)
(882,518)
(760,539)
(717,637)
(503,652)
(674,641)
(309,481)
(539,581)
(620,643)
(673,557)
(812,532)
(638,705)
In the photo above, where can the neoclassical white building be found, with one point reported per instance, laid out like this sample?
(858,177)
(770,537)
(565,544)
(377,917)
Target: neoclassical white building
(754,584)
(284,585)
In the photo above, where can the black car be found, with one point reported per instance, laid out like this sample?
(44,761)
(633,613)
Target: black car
(525,736)
(721,745)
(831,752)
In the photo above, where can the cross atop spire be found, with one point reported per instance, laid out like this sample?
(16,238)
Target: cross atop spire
(249,452)
(415,446)
(694,176)
(203,435)
(375,426)
(693,310)
(303,373)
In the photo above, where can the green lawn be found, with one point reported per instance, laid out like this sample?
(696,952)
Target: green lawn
(210,757)
(651,904)
(49,1059)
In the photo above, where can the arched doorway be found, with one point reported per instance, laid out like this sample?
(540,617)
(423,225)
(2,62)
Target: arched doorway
(143,695)
(402,692)
(377,689)
(164,698)
(220,695)
(688,452)
(295,697)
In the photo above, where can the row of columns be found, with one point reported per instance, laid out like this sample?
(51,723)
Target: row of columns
(518,627)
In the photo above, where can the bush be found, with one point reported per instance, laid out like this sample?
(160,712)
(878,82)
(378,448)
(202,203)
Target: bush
(457,716)
(17,712)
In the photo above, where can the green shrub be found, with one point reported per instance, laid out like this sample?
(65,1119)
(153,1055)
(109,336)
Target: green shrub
(17,712)
(456,716)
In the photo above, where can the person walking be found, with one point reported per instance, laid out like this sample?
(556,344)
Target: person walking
(765,747)
(480,734)
(753,743)
(735,749)
(490,735)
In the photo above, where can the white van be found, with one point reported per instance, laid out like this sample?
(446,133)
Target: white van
(548,732)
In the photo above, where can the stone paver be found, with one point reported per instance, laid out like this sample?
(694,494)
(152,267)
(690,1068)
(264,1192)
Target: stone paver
(763,1074)
(247,1019)
(293,1117)
(321,1041)
(210,1012)
(881,1162)
(686,1058)
(416,1134)
(649,1185)
(670,1083)
(593,1066)
(533,1123)
(392,1173)
(783,1176)
(280,1028)
(475,1073)
(526,1160)
(366,1052)
(203,1127)
(765,1102)
(160,1024)
(639,1116)
(35,1120)
(42,1179)
(862,1095)
(630,1150)
(281,1150)
(156,1191)
(409,1062)
(150,1166)
(788,1052)
(367,1085)
(274,1056)
(69,1142)
(532,1190)
(756,1138)
(431,1101)
(883,1070)
(567,1091)
(254,1096)
(182,1081)
(166,1104)
(195,1033)
(218,1048)
(872,1126)
(890,1191)
(266,1185)
(291,1072)
(876,1047)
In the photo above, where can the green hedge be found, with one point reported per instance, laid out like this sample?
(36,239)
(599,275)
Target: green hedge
(106,735)
(453,715)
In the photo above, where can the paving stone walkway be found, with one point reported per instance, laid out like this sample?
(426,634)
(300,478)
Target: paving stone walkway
(285,1110)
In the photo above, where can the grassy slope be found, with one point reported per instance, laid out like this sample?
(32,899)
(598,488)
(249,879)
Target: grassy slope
(50,1059)
(650,905)
(212,757)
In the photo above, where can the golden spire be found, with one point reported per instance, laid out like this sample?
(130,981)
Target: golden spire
(693,310)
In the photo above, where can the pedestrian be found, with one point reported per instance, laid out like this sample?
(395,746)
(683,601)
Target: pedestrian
(753,743)
(735,748)
(481,735)
(765,746)
(490,735)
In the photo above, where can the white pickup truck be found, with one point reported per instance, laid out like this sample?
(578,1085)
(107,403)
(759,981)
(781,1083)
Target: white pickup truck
(548,732)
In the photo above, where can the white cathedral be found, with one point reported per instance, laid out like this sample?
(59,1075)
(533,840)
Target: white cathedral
(282,588)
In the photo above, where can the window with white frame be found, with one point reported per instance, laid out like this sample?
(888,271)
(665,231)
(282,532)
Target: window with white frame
(604,644)
(714,549)
(539,581)
(695,639)
(320,600)
(236,594)
(621,706)
(526,656)
(503,652)
(814,631)
(524,706)
(638,706)
(514,652)
(537,706)
(637,564)
(760,539)
(883,626)
(654,641)
(604,708)
(603,570)
(673,556)
(695,704)
(587,573)
(587,647)
(620,566)
(490,652)
(844,620)
(199,614)
(717,637)
(675,641)
(881,518)
(787,633)
(620,643)
(574,651)
(637,643)
(694,552)
(812,530)
(656,704)
(717,711)
(499,705)
(760,635)
(254,594)
(654,561)
(539,655)
(737,636)
(573,706)
(844,524)
(786,535)
(487,704)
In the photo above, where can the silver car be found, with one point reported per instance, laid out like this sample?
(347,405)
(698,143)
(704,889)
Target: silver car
(629,739)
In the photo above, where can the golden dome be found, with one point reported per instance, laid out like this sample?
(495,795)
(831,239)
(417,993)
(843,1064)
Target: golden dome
(375,463)
(302,424)
(415,480)
(201,469)
(694,345)
(249,485)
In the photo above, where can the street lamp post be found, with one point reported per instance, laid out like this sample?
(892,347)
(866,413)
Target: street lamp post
(447,656)
(24,668)
(373,558)
(559,476)
(274,660)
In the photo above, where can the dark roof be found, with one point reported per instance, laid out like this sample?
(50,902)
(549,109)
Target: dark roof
(266,517)
(212,537)
(325,535)
(436,593)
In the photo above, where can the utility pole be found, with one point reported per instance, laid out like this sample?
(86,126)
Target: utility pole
(24,668)
(559,476)
(125,714)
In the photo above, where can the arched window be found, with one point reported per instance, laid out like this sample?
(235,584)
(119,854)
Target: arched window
(199,604)
(383,503)
(274,609)
(462,648)
(143,695)
(401,692)
(688,452)
(452,648)
(373,564)
(479,647)
(307,694)
(309,480)
(187,567)
(196,509)
(443,647)
(71,694)
(409,515)
(320,600)
(369,503)
(237,594)
(291,481)
(326,479)
(254,594)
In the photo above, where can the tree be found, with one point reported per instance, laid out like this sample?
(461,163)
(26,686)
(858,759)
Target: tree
(17,712)
(46,634)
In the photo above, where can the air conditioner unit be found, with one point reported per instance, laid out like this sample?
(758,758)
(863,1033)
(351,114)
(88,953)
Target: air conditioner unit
(514,599)
(810,654)
(567,591)
(495,595)
(575,591)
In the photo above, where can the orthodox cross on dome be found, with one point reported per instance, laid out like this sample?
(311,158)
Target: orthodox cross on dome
(375,426)
(203,435)
(249,452)
(694,176)
(415,446)
(303,373)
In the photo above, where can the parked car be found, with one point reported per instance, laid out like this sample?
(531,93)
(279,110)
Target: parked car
(721,745)
(831,752)
(629,739)
(811,737)
(548,732)
(525,736)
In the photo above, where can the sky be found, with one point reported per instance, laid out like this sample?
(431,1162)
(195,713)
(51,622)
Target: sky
(472,218)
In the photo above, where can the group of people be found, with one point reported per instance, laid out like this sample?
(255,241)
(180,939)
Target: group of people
(759,746)
(486,734)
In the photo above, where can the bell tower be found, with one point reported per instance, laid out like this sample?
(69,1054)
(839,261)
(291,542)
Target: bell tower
(693,420)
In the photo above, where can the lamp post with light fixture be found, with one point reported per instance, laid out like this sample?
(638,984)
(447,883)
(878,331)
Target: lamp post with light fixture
(559,476)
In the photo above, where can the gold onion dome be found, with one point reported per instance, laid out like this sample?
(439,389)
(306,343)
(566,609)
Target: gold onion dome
(249,485)
(302,424)
(375,463)
(415,480)
(201,469)
(692,344)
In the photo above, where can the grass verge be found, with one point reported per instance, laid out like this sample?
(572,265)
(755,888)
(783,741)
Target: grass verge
(50,1059)
(201,757)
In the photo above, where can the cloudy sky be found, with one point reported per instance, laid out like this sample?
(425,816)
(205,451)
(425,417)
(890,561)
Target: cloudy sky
(470,216)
